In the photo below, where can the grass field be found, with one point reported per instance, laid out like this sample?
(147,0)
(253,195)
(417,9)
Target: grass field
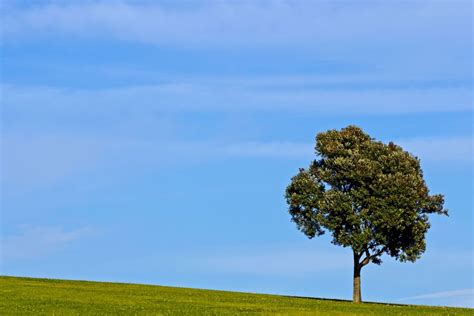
(28,296)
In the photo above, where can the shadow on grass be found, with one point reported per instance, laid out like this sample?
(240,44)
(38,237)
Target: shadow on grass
(344,301)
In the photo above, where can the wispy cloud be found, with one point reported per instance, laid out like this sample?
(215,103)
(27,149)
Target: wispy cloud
(276,262)
(233,97)
(297,260)
(434,39)
(32,162)
(215,22)
(38,241)
(464,298)
(455,293)
(268,149)
(44,160)
(35,161)
(458,149)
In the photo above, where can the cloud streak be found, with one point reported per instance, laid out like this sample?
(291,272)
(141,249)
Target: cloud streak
(462,298)
(445,294)
(434,38)
(271,262)
(232,97)
(252,260)
(30,163)
(458,149)
(220,23)
(37,241)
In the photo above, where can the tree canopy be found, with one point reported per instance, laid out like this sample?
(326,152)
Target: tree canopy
(369,195)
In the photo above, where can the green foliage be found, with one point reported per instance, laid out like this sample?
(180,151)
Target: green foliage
(27,296)
(369,195)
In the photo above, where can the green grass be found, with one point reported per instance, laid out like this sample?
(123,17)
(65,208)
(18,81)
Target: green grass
(29,296)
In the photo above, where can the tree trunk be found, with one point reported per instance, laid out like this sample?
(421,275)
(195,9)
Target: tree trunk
(356,295)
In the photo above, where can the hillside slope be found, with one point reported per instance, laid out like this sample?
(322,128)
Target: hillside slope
(60,297)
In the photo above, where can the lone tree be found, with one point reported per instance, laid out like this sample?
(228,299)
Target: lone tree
(369,195)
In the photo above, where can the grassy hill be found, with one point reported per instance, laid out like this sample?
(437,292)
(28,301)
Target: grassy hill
(60,297)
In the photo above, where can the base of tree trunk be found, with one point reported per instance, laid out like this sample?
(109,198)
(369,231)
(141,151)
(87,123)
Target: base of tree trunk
(356,294)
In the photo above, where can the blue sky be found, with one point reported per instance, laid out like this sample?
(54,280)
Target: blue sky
(152,141)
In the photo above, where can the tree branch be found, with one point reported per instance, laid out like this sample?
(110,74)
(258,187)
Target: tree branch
(366,260)
(369,257)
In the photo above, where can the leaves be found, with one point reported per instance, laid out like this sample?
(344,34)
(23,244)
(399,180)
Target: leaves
(369,195)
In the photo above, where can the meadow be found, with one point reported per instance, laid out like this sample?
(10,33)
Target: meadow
(30,296)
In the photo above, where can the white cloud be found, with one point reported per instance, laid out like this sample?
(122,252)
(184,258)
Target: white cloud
(38,241)
(425,38)
(32,162)
(41,161)
(274,262)
(269,149)
(244,23)
(458,149)
(455,293)
(278,260)
(36,161)
(461,298)
(232,96)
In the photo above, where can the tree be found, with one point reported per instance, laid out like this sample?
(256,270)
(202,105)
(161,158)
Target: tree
(369,195)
